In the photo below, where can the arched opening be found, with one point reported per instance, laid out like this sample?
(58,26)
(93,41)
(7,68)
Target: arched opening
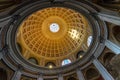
(3,74)
(66,61)
(92,74)
(33,60)
(89,40)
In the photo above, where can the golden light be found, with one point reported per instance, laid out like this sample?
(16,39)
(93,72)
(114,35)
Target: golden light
(50,66)
(81,56)
(74,34)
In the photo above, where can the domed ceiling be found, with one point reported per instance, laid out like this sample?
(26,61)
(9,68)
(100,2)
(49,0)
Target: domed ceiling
(53,33)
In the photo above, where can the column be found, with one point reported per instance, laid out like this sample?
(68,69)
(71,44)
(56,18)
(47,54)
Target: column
(17,75)
(102,70)
(60,77)
(40,77)
(115,19)
(80,75)
(113,47)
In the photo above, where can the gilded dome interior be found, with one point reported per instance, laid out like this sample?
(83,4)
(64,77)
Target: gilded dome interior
(53,34)
(39,40)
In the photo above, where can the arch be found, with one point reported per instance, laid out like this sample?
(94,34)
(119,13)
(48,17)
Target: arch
(91,74)
(116,33)
(33,60)
(3,74)
(66,61)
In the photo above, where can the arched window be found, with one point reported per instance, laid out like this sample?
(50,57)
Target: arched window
(66,61)
(89,40)
(33,60)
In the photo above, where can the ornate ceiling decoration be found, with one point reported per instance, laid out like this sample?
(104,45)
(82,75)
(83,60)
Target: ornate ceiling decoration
(51,35)
(54,32)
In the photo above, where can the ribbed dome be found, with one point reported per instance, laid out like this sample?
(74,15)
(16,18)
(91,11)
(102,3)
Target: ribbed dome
(54,32)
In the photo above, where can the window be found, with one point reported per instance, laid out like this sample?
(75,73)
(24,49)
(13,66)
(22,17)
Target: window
(66,61)
(33,60)
(89,40)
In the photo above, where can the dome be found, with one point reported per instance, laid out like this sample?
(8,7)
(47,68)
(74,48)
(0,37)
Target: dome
(59,40)
(53,34)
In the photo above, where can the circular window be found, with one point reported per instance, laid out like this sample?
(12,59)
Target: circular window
(54,27)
